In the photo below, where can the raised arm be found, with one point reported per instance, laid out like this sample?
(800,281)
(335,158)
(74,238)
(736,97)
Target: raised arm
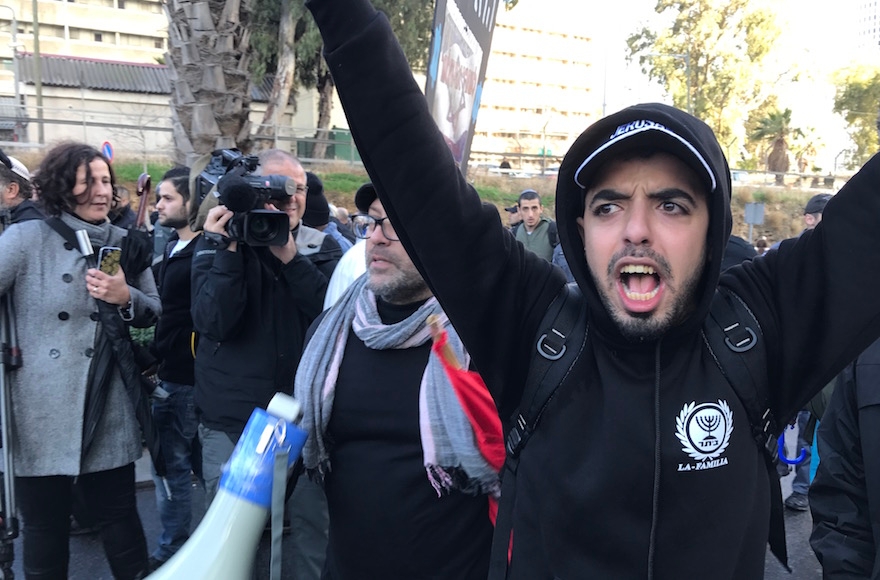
(493,290)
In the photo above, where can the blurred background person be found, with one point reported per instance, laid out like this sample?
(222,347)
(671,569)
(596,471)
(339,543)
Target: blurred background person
(121,215)
(175,416)
(16,191)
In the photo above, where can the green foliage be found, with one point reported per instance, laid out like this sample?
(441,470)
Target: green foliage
(713,50)
(759,196)
(342,182)
(858,100)
(129,171)
(410,19)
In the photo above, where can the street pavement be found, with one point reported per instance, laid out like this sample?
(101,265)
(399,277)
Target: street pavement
(87,556)
(87,560)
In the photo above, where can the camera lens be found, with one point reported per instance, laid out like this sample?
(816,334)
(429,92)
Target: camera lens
(262,229)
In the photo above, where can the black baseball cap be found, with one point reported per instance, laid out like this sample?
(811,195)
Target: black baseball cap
(512,209)
(364,197)
(647,128)
(817,203)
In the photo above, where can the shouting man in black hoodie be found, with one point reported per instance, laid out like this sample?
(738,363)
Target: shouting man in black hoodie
(644,464)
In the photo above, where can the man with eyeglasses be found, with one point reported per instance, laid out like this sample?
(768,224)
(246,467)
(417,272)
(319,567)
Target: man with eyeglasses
(251,308)
(407,488)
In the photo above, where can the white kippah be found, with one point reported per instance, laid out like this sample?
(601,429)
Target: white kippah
(19,168)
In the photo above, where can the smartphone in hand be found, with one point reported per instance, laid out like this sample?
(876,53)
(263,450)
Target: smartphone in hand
(108,259)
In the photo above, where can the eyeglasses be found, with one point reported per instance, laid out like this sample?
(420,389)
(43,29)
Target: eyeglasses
(303,189)
(364,226)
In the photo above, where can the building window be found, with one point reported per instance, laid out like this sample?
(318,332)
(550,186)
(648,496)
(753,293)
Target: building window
(99,37)
(121,4)
(158,43)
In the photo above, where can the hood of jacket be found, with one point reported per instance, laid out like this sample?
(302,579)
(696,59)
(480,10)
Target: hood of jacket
(652,127)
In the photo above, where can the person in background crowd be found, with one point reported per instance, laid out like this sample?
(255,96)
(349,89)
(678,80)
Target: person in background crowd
(121,215)
(175,415)
(72,402)
(318,214)
(514,218)
(16,191)
(344,227)
(762,245)
(536,232)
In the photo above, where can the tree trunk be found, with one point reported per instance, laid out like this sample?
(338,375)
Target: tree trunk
(325,106)
(283,85)
(208,53)
(777,161)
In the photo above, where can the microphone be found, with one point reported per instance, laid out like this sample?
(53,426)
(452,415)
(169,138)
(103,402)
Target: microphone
(236,194)
(225,543)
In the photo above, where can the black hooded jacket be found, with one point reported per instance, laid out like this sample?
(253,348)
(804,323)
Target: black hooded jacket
(845,496)
(612,484)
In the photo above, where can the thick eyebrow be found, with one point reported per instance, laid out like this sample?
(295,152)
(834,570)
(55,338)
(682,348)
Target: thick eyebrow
(673,193)
(668,194)
(606,195)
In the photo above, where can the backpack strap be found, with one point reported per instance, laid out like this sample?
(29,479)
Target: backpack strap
(735,340)
(561,339)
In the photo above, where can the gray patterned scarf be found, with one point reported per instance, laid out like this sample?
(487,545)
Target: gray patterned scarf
(452,458)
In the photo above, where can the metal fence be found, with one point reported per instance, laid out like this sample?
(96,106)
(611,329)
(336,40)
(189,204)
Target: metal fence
(144,132)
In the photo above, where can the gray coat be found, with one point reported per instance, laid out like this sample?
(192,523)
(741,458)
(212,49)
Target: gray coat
(56,320)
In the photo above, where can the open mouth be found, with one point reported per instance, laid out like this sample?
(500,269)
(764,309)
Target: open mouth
(639,282)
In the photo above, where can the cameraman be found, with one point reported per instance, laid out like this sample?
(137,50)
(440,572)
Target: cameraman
(251,307)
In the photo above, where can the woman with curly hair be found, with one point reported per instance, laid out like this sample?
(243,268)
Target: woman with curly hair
(73,399)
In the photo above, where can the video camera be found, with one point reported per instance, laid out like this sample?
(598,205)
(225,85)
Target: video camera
(244,193)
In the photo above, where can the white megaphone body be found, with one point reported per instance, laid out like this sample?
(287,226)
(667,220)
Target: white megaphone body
(225,543)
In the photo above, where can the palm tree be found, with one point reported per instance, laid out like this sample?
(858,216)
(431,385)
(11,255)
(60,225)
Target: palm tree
(208,58)
(776,129)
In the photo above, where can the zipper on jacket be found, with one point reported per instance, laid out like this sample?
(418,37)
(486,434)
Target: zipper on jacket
(655,499)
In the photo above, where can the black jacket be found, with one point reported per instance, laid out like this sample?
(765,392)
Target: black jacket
(610,484)
(26,210)
(845,495)
(252,313)
(174,331)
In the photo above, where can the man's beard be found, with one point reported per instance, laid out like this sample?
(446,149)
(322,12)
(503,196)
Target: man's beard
(174,222)
(650,325)
(405,287)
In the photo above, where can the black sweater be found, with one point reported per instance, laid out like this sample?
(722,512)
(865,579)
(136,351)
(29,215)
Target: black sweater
(611,485)
(386,520)
(174,330)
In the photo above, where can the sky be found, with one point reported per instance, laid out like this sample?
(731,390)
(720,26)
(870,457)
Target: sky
(818,37)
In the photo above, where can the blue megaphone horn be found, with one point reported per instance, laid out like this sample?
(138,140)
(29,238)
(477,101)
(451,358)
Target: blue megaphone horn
(225,543)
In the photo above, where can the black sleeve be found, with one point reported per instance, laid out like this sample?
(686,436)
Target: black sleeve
(816,296)
(474,266)
(219,290)
(842,537)
(307,283)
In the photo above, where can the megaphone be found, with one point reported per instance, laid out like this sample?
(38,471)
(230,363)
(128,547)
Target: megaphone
(225,543)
